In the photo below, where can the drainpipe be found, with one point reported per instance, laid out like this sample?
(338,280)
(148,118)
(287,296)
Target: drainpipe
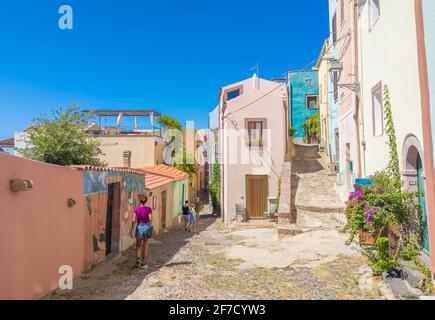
(222,156)
(358,92)
(427,129)
(363,143)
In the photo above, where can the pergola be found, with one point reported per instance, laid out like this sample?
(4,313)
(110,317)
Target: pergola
(120,114)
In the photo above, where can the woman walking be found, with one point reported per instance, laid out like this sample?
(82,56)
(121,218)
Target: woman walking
(142,228)
(186,215)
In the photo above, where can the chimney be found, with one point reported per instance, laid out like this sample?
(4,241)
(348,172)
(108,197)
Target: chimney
(127,159)
(255,82)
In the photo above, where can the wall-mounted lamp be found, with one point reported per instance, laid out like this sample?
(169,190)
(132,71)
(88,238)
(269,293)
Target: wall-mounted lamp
(308,80)
(336,66)
(18,185)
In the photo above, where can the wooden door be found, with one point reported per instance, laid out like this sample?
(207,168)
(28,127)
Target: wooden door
(257,191)
(113,218)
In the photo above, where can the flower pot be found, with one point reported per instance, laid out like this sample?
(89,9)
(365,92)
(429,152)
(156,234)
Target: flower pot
(366,239)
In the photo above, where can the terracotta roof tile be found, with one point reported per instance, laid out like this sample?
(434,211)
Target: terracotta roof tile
(154,181)
(166,171)
(116,169)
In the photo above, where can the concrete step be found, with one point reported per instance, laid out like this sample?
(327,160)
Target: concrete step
(321,209)
(292,230)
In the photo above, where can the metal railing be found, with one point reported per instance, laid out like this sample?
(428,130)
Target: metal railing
(128,131)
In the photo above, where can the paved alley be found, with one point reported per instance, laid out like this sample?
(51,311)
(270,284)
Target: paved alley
(237,263)
(247,260)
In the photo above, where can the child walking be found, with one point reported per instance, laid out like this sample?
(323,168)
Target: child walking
(192,218)
(142,228)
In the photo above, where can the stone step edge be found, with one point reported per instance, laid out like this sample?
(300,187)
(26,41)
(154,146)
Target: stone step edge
(295,229)
(308,208)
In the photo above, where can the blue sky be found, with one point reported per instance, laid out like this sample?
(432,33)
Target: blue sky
(169,55)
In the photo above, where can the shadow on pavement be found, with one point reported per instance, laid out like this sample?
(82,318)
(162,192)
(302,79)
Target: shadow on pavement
(117,279)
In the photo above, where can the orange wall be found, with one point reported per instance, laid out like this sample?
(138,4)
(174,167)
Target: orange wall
(38,232)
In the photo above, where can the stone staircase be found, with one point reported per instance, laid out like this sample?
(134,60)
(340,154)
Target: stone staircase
(314,199)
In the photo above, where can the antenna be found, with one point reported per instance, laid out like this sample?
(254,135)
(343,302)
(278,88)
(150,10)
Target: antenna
(257,68)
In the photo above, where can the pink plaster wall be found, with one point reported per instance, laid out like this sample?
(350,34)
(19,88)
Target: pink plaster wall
(38,232)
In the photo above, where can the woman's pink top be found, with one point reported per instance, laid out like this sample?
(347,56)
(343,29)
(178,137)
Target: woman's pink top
(143,214)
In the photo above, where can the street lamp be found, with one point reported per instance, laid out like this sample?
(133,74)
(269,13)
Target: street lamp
(337,66)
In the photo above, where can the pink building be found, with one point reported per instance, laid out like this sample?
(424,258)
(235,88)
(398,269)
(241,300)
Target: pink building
(253,117)
(346,90)
(56,219)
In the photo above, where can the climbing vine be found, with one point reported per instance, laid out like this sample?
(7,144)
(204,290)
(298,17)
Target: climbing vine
(214,186)
(393,165)
(278,194)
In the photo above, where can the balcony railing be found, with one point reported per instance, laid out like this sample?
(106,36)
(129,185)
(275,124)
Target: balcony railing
(126,131)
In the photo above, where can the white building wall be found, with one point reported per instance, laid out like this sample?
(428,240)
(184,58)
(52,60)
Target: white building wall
(348,137)
(388,53)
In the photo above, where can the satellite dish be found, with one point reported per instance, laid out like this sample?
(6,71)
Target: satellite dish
(168,154)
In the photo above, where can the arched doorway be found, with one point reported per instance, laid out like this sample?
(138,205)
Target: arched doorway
(414,181)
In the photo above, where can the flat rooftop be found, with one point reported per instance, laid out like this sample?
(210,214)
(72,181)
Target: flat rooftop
(125,113)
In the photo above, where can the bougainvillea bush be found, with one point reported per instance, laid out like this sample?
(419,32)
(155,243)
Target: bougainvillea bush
(389,216)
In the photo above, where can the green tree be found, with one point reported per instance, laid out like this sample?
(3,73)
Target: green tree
(62,140)
(169,122)
(214,185)
(190,168)
(312,126)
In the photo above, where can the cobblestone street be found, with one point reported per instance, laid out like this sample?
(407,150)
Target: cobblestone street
(236,263)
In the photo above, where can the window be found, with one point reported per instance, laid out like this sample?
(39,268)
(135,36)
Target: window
(334,29)
(255,133)
(375,12)
(312,101)
(378,111)
(233,94)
